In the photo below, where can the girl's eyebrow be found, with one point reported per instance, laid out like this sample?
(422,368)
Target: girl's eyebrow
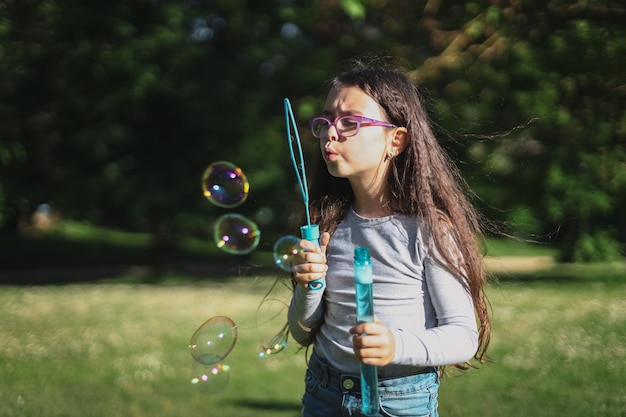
(332,114)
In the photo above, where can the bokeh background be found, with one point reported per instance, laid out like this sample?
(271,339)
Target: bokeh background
(110,111)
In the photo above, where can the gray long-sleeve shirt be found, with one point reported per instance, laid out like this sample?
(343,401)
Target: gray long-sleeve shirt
(427,308)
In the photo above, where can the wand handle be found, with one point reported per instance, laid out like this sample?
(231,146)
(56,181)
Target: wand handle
(311,232)
(365,313)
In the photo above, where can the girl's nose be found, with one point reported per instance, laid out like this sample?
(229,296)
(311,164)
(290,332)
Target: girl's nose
(332,133)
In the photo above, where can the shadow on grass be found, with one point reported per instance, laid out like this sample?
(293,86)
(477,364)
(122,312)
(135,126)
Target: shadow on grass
(269,405)
(50,261)
(171,274)
(608,273)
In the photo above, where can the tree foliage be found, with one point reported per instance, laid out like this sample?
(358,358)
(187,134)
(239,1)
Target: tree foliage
(110,111)
(557,66)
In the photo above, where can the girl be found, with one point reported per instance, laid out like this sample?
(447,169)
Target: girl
(386,184)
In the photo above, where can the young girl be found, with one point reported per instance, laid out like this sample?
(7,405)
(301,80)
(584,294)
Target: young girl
(386,184)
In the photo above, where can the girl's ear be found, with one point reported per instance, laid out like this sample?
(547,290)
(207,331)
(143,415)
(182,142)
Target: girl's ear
(399,140)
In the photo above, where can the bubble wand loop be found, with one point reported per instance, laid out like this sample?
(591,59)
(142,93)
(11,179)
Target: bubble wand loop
(309,231)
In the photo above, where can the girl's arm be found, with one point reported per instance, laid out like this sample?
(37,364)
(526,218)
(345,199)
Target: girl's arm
(306,310)
(455,338)
(306,313)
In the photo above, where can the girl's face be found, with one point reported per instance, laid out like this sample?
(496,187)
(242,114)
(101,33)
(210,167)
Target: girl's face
(359,158)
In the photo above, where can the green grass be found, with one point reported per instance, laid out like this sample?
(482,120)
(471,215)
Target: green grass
(121,350)
(558,350)
(91,350)
(119,347)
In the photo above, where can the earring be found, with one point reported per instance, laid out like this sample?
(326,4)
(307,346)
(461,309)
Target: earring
(389,156)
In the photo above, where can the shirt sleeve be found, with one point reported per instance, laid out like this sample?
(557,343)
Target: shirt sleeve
(454,339)
(306,312)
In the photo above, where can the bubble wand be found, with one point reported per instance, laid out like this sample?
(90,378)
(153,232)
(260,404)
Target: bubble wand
(310,232)
(365,313)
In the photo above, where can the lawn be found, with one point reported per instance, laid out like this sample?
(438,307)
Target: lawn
(118,346)
(110,349)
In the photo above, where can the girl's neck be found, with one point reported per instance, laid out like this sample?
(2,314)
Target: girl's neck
(372,206)
(370,199)
(373,214)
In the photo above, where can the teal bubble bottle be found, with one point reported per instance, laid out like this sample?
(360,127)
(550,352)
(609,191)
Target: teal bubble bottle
(365,313)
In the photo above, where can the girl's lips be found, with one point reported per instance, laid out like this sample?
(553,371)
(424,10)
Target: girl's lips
(330,155)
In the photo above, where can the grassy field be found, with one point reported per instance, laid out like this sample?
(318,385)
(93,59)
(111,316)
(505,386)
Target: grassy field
(111,349)
(93,347)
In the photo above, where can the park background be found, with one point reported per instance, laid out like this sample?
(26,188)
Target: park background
(111,111)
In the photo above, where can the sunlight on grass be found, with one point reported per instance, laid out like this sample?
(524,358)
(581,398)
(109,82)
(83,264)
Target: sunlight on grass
(123,350)
(557,350)
(93,350)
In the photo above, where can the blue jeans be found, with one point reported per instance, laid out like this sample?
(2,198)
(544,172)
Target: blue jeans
(330,393)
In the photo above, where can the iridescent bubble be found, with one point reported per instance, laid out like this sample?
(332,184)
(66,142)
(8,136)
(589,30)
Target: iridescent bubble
(273,345)
(210,379)
(213,340)
(288,252)
(236,234)
(224,184)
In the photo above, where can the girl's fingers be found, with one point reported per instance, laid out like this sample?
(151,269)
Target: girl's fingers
(324,239)
(313,266)
(310,268)
(307,272)
(309,247)
(369,328)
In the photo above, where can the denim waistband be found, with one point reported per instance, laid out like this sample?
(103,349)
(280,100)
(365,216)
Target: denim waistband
(351,383)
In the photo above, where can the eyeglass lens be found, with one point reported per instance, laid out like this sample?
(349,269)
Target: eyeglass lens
(347,126)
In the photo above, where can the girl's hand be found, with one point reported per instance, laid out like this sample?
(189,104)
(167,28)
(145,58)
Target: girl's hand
(314,266)
(373,343)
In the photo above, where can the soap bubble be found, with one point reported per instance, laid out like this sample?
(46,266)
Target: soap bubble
(273,345)
(213,340)
(210,379)
(288,252)
(236,234)
(224,184)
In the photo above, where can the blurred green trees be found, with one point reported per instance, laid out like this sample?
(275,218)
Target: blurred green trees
(110,111)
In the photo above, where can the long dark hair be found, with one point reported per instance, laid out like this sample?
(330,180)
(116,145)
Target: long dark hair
(421,181)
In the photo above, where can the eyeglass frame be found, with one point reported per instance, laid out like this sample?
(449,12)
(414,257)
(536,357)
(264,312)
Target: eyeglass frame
(359,121)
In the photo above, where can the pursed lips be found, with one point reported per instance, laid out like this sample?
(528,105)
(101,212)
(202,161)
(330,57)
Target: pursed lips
(329,154)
